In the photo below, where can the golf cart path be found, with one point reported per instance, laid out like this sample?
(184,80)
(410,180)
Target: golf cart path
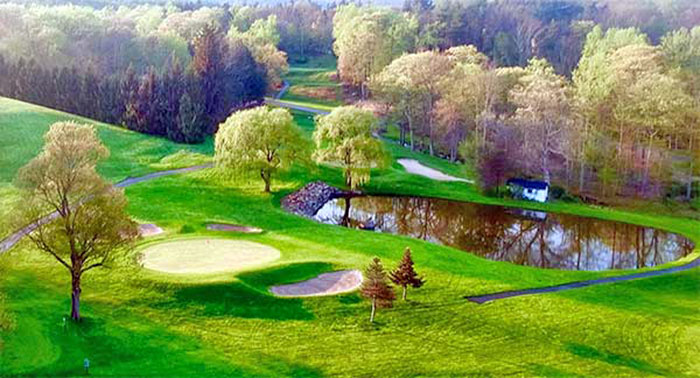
(284,104)
(14,238)
(416,168)
(283,90)
(578,284)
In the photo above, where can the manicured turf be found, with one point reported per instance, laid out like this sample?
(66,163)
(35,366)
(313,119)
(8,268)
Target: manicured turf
(140,322)
(313,84)
(206,256)
(23,125)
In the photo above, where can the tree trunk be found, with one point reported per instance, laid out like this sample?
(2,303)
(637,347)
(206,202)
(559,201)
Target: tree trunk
(348,179)
(75,298)
(374,307)
(689,185)
(346,213)
(266,178)
(691,168)
(430,134)
(404,292)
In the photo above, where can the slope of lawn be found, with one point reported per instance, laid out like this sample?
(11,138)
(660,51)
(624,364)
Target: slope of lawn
(23,125)
(145,323)
(313,84)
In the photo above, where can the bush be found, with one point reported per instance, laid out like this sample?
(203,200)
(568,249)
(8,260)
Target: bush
(186,229)
(560,194)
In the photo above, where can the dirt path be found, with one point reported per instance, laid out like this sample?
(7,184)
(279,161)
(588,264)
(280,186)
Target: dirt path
(342,281)
(14,238)
(416,168)
(575,285)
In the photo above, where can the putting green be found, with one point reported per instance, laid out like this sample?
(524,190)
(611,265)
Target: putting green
(196,256)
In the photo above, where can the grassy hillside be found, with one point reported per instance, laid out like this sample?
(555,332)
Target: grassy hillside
(143,323)
(313,84)
(23,125)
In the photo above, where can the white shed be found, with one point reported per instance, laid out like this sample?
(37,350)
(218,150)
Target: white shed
(532,190)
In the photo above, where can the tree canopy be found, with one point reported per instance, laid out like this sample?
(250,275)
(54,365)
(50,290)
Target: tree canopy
(259,140)
(88,221)
(344,137)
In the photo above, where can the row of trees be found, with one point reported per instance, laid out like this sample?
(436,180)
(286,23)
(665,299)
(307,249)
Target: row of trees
(512,32)
(263,141)
(182,103)
(626,124)
(508,32)
(305,27)
(142,37)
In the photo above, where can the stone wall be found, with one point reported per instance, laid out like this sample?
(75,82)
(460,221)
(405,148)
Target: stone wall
(309,199)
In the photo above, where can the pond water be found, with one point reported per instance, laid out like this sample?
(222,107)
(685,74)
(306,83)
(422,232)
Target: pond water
(518,236)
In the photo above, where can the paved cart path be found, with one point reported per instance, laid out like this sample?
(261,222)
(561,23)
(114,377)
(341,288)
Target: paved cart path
(578,284)
(288,105)
(14,238)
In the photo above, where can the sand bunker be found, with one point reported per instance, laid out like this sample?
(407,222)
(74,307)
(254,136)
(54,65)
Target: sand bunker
(416,168)
(342,281)
(206,256)
(233,228)
(149,229)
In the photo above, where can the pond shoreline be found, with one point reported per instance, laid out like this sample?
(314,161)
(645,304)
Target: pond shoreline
(522,236)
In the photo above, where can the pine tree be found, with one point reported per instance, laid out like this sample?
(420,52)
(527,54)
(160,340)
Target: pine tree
(209,60)
(190,126)
(376,287)
(405,275)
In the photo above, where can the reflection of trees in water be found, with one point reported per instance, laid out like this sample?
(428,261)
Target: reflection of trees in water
(554,241)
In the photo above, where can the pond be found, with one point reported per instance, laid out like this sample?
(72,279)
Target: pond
(524,237)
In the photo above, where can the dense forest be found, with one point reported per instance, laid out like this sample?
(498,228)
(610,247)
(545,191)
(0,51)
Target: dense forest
(609,112)
(599,97)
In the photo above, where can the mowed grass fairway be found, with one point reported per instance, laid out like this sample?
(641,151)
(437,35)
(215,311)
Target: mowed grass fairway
(142,322)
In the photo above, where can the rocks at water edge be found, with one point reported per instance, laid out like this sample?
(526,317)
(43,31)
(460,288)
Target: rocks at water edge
(309,199)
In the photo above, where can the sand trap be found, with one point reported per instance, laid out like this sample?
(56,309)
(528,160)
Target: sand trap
(233,228)
(149,229)
(342,281)
(206,256)
(415,167)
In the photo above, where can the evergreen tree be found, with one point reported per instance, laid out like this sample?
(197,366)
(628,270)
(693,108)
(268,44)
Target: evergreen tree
(128,89)
(208,64)
(90,95)
(405,275)
(190,126)
(170,90)
(376,287)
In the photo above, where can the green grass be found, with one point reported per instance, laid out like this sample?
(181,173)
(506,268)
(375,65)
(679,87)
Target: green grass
(139,322)
(23,125)
(313,84)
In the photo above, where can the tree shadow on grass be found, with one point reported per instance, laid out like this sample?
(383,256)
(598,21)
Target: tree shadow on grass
(585,351)
(249,297)
(285,274)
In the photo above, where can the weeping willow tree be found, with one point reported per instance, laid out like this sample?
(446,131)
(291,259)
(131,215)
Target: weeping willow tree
(344,138)
(259,140)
